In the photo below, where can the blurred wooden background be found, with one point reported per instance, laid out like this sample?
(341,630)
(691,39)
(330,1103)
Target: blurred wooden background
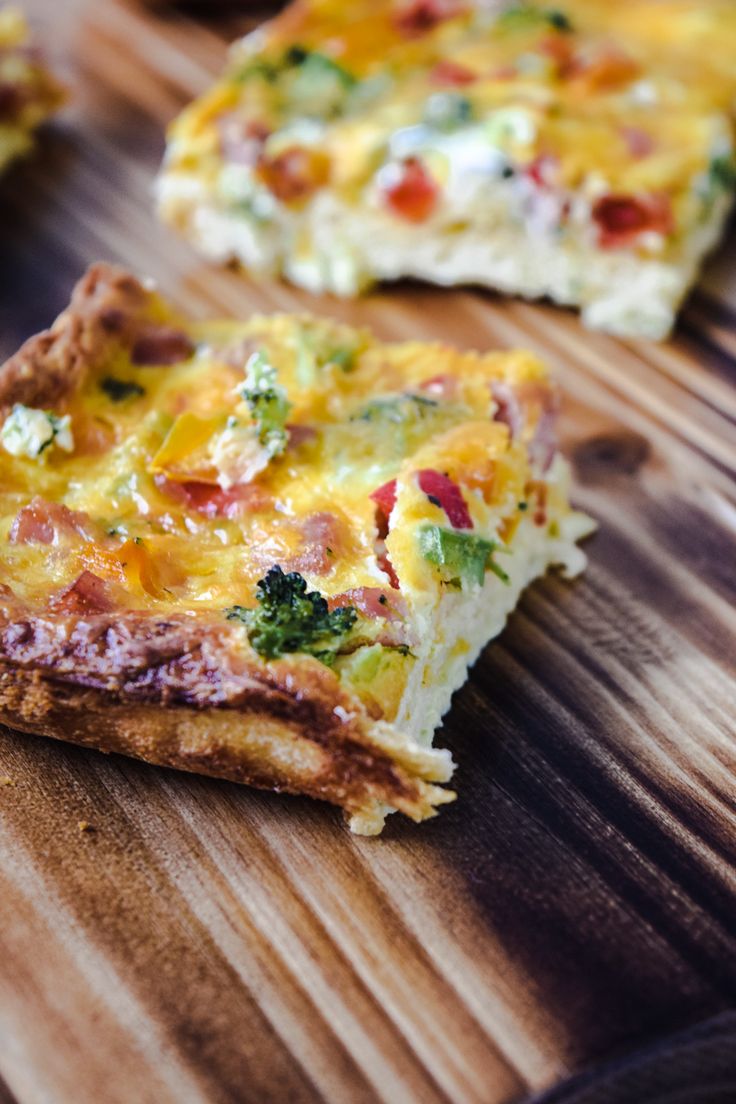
(211,944)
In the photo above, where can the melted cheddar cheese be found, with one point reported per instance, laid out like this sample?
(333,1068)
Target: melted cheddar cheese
(578,100)
(195,457)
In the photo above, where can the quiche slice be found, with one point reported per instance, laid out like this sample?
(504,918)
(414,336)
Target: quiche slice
(266,550)
(28,91)
(581,151)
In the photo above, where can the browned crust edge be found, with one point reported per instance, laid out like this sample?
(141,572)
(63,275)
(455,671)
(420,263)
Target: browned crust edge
(52,364)
(186,691)
(252,744)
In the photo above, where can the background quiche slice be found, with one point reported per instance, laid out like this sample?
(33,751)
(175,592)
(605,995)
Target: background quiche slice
(581,150)
(29,93)
(265,550)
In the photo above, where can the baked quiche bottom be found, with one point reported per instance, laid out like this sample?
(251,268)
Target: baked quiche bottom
(581,150)
(265,550)
(29,93)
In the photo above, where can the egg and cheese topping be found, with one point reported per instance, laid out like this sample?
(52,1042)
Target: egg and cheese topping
(625,107)
(289,473)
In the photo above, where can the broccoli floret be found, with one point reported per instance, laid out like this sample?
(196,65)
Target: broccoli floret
(289,618)
(267,402)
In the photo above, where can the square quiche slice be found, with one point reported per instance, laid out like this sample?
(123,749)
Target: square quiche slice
(580,151)
(29,93)
(265,550)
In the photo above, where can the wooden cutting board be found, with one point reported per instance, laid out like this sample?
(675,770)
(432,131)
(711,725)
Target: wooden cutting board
(207,943)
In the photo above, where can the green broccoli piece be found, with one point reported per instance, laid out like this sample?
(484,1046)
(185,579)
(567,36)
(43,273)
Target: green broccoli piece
(267,403)
(316,84)
(526,16)
(722,173)
(461,557)
(289,618)
(448,111)
(396,408)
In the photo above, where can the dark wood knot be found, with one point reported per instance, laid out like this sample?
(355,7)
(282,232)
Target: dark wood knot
(608,454)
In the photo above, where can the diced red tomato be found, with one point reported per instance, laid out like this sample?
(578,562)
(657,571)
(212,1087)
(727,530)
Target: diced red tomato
(386,566)
(415,194)
(450,74)
(294,175)
(385,499)
(444,492)
(622,218)
(417,17)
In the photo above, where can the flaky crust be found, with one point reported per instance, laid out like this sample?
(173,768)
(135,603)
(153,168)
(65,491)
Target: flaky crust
(187,690)
(52,364)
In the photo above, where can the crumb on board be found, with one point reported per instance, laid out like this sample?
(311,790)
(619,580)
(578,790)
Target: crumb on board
(85,826)
(6,780)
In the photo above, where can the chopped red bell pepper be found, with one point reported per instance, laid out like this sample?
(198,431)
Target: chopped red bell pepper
(385,497)
(622,218)
(444,492)
(414,195)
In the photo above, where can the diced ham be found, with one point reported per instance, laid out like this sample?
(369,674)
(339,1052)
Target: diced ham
(450,74)
(154,344)
(621,219)
(322,542)
(42,522)
(417,17)
(639,142)
(294,175)
(212,501)
(414,195)
(299,435)
(87,594)
(445,493)
(508,407)
(516,404)
(242,140)
(372,602)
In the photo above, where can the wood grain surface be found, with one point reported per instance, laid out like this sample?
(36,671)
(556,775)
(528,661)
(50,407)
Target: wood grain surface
(206,943)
